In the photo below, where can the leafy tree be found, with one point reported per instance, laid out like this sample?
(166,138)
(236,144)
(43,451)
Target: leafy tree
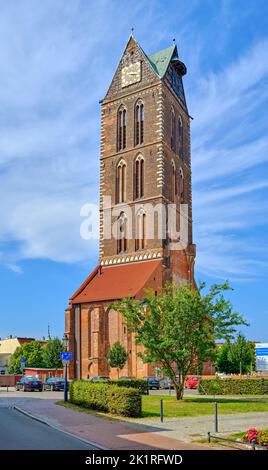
(51,354)
(32,352)
(117,356)
(236,357)
(180,327)
(222,363)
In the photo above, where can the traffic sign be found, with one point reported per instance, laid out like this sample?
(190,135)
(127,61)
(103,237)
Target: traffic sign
(66,356)
(261,357)
(23,360)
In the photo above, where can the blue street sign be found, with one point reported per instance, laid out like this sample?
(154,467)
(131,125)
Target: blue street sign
(23,360)
(66,356)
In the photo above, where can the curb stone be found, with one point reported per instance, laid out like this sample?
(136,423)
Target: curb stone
(47,423)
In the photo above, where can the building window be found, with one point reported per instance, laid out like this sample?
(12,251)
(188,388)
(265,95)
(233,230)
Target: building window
(121,172)
(139,177)
(173,182)
(122,233)
(140,241)
(181,185)
(139,123)
(121,128)
(181,138)
(173,133)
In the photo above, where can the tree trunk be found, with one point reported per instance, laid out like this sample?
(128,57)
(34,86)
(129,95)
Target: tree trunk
(179,388)
(117,373)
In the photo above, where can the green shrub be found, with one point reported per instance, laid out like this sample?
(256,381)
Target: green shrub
(256,386)
(107,397)
(139,384)
(124,401)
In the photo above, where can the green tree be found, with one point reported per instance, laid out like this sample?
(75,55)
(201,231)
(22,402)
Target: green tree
(117,356)
(180,327)
(51,353)
(237,357)
(33,354)
(222,363)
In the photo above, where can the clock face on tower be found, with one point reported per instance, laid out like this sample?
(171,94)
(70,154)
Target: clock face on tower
(131,74)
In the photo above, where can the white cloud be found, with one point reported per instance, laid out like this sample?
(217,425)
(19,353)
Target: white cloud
(229,149)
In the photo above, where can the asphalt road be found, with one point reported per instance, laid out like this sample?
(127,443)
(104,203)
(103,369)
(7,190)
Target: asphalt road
(18,432)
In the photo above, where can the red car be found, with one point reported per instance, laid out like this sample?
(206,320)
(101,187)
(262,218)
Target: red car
(192,382)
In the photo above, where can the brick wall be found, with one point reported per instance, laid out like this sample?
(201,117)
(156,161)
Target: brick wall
(100,327)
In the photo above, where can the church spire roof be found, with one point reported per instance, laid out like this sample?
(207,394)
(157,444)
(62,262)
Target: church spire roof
(160,60)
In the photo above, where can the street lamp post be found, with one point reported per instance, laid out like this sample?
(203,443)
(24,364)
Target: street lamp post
(65,342)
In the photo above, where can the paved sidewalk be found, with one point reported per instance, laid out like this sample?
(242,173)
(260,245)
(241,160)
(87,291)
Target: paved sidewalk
(107,432)
(196,428)
(146,433)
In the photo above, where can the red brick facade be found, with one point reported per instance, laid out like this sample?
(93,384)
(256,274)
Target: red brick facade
(91,324)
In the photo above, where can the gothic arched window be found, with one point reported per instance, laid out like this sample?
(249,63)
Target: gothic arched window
(139,177)
(121,128)
(181,138)
(122,233)
(181,184)
(173,182)
(140,241)
(121,181)
(173,132)
(139,123)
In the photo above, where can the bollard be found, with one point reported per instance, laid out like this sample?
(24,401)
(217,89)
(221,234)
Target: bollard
(216,417)
(7,388)
(161,411)
(209,439)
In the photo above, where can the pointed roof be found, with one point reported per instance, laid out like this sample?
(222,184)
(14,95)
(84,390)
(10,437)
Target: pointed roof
(160,60)
(115,282)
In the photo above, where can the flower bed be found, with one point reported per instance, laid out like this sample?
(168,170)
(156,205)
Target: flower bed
(258,437)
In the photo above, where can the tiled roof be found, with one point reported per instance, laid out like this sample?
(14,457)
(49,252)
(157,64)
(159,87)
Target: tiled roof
(161,59)
(115,282)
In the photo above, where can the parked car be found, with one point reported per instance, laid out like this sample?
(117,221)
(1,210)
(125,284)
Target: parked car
(99,378)
(192,382)
(125,377)
(153,382)
(54,384)
(29,384)
(165,383)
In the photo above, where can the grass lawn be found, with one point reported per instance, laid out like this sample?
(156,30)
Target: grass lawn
(196,406)
(188,407)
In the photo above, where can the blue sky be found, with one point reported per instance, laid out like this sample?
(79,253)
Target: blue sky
(57,60)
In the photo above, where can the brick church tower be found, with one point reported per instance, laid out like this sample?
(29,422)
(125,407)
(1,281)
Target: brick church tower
(145,181)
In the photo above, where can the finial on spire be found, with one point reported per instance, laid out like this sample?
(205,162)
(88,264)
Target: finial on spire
(174,41)
(132,31)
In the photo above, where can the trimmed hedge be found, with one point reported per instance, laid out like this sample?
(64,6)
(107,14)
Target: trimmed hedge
(106,397)
(139,384)
(257,386)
